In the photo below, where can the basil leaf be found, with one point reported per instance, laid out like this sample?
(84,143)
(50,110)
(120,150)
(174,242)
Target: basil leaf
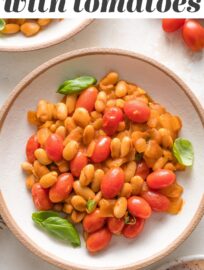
(40,216)
(130,220)
(76,85)
(91,205)
(57,226)
(62,229)
(2,24)
(183,151)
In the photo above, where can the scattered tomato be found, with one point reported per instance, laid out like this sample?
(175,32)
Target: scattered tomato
(102,149)
(41,198)
(112,183)
(31,146)
(87,99)
(137,111)
(61,188)
(138,207)
(54,147)
(78,163)
(160,179)
(98,240)
(172,25)
(133,230)
(142,170)
(93,222)
(115,225)
(157,201)
(111,119)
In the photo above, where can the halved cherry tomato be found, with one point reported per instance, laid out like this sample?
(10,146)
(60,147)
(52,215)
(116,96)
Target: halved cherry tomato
(193,35)
(111,119)
(133,230)
(78,163)
(41,197)
(112,183)
(93,222)
(54,147)
(31,146)
(157,201)
(61,188)
(138,207)
(115,225)
(102,149)
(160,179)
(142,170)
(87,99)
(137,111)
(172,25)
(98,240)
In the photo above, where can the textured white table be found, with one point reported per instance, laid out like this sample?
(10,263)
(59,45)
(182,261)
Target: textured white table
(143,36)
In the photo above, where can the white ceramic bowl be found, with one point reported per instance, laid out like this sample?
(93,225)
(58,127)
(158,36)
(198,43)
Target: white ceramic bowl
(162,233)
(55,33)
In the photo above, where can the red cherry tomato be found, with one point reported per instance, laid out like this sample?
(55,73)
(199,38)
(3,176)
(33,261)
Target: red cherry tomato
(61,188)
(54,147)
(111,119)
(41,198)
(157,201)
(115,225)
(87,99)
(172,25)
(93,222)
(138,207)
(112,183)
(193,35)
(102,149)
(98,240)
(133,230)
(31,146)
(137,111)
(78,163)
(142,170)
(160,179)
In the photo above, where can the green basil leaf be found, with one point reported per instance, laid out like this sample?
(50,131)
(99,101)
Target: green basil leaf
(62,229)
(40,216)
(183,151)
(138,157)
(130,220)
(91,205)
(2,24)
(76,85)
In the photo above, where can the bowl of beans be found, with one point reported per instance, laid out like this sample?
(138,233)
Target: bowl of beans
(33,34)
(103,160)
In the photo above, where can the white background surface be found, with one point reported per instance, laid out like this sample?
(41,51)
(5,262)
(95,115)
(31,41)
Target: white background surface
(143,36)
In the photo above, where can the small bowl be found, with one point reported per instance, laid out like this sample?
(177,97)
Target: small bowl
(162,233)
(55,33)
(193,262)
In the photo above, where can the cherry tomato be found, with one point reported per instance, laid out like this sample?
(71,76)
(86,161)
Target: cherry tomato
(115,225)
(41,198)
(138,207)
(157,201)
(54,147)
(78,163)
(102,149)
(93,222)
(112,183)
(193,35)
(111,119)
(31,146)
(137,111)
(98,240)
(172,25)
(87,99)
(62,188)
(142,170)
(133,230)
(160,179)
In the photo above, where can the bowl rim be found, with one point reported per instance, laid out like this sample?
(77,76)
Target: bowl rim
(20,235)
(57,40)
